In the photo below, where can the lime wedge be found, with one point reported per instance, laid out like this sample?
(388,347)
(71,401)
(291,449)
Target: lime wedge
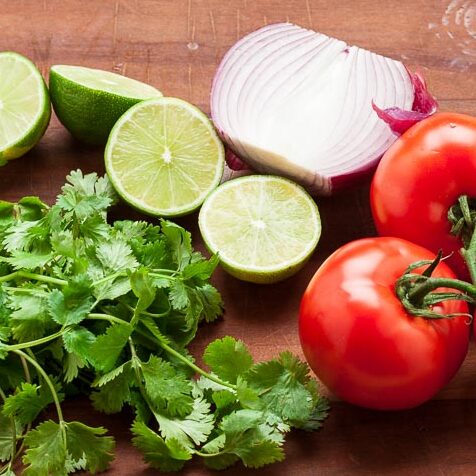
(88,102)
(25,108)
(264,228)
(164,157)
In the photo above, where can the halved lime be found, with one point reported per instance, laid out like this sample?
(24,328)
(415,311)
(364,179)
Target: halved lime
(25,108)
(264,228)
(164,157)
(88,102)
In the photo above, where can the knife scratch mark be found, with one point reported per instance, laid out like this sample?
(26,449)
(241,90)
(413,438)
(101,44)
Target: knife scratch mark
(189,16)
(214,33)
(190,82)
(147,71)
(114,30)
(309,13)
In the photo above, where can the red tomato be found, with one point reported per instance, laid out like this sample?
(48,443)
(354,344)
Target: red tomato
(360,341)
(420,177)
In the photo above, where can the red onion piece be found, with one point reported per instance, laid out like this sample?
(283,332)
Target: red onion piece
(424,105)
(297,103)
(233,161)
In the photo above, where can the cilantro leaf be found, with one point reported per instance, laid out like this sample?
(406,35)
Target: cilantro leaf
(169,390)
(29,319)
(179,243)
(78,340)
(246,436)
(107,347)
(201,270)
(164,455)
(73,302)
(116,255)
(143,288)
(27,402)
(25,260)
(282,385)
(228,358)
(46,453)
(114,389)
(212,304)
(89,443)
(195,427)
(6,434)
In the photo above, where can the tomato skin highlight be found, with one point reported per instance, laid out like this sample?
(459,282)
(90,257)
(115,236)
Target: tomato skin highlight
(358,338)
(420,177)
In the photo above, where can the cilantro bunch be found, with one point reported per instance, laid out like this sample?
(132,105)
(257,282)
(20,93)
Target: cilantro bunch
(105,310)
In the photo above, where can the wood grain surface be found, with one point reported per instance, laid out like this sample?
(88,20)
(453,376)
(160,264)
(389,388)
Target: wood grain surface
(176,45)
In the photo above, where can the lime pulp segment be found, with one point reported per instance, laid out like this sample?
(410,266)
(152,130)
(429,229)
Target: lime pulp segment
(106,81)
(263,227)
(164,157)
(24,105)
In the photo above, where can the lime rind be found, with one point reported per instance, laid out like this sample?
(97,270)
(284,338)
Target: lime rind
(218,206)
(150,147)
(26,139)
(90,108)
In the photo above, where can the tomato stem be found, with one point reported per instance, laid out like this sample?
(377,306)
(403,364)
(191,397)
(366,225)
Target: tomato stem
(418,293)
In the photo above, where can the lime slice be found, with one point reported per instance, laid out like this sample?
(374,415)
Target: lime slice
(164,157)
(88,102)
(25,108)
(264,228)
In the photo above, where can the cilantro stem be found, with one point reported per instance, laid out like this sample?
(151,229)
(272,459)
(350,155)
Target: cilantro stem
(197,369)
(48,381)
(33,343)
(33,276)
(106,317)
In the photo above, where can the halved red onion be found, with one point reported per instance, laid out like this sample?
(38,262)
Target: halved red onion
(297,103)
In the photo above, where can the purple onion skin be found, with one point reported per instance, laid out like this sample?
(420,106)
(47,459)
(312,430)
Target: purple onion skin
(234,162)
(424,105)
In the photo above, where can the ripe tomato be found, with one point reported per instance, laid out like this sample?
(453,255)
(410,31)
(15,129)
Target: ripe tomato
(360,341)
(420,177)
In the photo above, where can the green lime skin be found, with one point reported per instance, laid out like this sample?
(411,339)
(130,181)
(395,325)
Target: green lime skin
(88,114)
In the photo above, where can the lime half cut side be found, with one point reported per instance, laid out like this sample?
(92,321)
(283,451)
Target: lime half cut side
(264,228)
(25,108)
(164,157)
(88,101)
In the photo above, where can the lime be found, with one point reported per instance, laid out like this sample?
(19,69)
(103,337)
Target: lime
(164,157)
(88,102)
(264,228)
(25,108)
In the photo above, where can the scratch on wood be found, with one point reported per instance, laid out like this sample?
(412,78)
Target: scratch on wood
(189,16)
(265,20)
(238,24)
(190,82)
(147,71)
(214,33)
(287,18)
(309,13)
(114,31)
(45,5)
(245,4)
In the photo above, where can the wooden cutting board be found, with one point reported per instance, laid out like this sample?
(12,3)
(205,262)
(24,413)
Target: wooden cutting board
(176,45)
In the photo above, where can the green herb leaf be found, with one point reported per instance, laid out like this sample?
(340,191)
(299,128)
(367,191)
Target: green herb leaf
(162,455)
(27,402)
(107,348)
(169,390)
(46,453)
(228,358)
(89,443)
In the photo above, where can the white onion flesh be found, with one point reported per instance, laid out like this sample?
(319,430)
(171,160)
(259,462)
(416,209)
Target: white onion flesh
(294,102)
